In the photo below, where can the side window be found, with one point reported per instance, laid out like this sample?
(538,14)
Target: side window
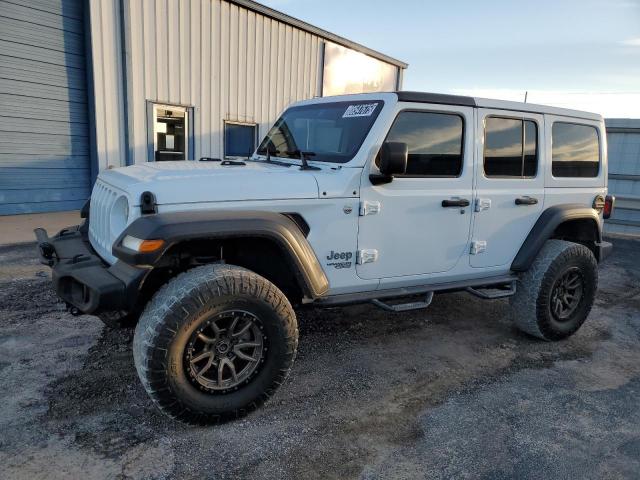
(576,150)
(510,147)
(434,141)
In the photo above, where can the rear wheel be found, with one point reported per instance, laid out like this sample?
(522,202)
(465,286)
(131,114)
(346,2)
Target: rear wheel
(214,344)
(554,297)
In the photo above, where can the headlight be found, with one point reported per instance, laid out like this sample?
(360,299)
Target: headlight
(119,215)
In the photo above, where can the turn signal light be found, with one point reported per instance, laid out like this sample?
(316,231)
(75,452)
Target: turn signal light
(141,246)
(609,201)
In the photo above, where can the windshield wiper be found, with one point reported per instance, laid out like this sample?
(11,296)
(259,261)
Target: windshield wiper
(304,157)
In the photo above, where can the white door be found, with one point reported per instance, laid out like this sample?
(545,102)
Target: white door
(405,228)
(509,184)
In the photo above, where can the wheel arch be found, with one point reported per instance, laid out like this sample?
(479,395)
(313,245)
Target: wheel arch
(571,222)
(183,230)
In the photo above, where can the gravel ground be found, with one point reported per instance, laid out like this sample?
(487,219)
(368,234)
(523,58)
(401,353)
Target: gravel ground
(449,392)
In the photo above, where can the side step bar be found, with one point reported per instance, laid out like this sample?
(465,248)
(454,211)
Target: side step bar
(493,293)
(404,307)
(477,285)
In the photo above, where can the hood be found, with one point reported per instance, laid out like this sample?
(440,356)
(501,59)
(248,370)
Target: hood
(190,181)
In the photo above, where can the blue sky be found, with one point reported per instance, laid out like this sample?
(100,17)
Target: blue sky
(581,54)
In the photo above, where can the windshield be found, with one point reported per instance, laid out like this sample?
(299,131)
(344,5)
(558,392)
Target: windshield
(330,132)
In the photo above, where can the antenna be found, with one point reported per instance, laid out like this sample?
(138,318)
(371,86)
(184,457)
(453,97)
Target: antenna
(526,94)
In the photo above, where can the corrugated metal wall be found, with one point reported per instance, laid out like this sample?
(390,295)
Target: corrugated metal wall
(44,147)
(228,62)
(219,58)
(623,138)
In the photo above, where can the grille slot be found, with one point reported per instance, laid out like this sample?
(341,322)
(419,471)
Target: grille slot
(103,198)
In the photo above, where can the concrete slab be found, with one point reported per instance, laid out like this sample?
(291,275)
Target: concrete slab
(16,229)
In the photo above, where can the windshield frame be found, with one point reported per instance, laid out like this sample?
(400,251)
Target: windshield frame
(261,150)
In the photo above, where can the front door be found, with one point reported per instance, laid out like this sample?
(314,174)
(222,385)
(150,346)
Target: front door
(509,184)
(418,224)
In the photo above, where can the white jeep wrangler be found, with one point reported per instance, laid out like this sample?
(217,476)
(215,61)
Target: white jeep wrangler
(363,198)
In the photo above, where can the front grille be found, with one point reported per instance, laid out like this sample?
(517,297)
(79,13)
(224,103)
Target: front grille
(102,199)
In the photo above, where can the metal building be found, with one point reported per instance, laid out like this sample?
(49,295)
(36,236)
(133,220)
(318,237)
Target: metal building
(623,137)
(85,85)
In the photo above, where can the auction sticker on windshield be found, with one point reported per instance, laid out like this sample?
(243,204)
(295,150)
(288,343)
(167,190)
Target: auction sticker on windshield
(362,110)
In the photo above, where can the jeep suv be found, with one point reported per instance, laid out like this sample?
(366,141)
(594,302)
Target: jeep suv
(384,198)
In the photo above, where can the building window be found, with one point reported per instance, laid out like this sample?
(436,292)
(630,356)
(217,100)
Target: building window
(169,131)
(576,150)
(434,141)
(510,148)
(239,139)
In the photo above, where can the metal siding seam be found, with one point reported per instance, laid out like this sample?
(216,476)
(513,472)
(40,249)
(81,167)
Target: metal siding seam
(272,91)
(161,49)
(250,114)
(242,65)
(91,98)
(282,50)
(224,68)
(215,79)
(137,72)
(233,64)
(205,80)
(258,75)
(126,86)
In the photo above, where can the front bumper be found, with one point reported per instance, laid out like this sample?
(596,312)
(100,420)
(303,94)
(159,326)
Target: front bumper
(82,279)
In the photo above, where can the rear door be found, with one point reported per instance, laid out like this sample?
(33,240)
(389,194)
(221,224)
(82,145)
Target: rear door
(509,184)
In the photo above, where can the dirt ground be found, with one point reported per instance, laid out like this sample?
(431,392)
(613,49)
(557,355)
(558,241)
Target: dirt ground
(453,391)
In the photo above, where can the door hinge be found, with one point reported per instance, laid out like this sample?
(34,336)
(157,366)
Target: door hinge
(368,255)
(482,204)
(478,246)
(369,208)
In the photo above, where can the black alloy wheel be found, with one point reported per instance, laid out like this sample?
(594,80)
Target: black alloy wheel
(225,351)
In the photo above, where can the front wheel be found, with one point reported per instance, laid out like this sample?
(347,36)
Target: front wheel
(214,344)
(554,297)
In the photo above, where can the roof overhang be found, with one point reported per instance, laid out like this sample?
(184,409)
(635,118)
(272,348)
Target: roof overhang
(307,27)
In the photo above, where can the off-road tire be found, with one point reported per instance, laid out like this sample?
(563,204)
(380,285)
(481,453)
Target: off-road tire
(177,312)
(531,305)
(117,320)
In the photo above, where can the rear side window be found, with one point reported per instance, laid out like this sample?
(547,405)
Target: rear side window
(576,150)
(434,141)
(510,148)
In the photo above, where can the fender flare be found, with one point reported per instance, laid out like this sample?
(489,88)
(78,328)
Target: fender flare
(548,221)
(177,227)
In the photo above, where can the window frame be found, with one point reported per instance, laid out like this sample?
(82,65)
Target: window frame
(152,138)
(256,135)
(599,138)
(442,112)
(484,146)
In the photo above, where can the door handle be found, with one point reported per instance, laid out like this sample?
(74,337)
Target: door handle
(526,201)
(456,202)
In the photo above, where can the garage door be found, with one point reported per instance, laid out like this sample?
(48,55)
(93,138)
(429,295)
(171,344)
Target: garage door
(623,139)
(44,144)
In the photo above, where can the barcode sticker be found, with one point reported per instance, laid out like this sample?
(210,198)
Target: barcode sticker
(362,110)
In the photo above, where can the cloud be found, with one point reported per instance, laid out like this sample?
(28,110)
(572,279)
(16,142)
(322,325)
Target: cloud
(631,42)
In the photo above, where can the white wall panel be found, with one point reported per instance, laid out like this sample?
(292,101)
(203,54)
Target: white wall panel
(228,62)
(108,87)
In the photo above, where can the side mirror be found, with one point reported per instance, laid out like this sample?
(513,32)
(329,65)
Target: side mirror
(393,161)
(393,158)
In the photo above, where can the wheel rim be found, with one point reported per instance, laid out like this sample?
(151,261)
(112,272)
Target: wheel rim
(225,351)
(566,294)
